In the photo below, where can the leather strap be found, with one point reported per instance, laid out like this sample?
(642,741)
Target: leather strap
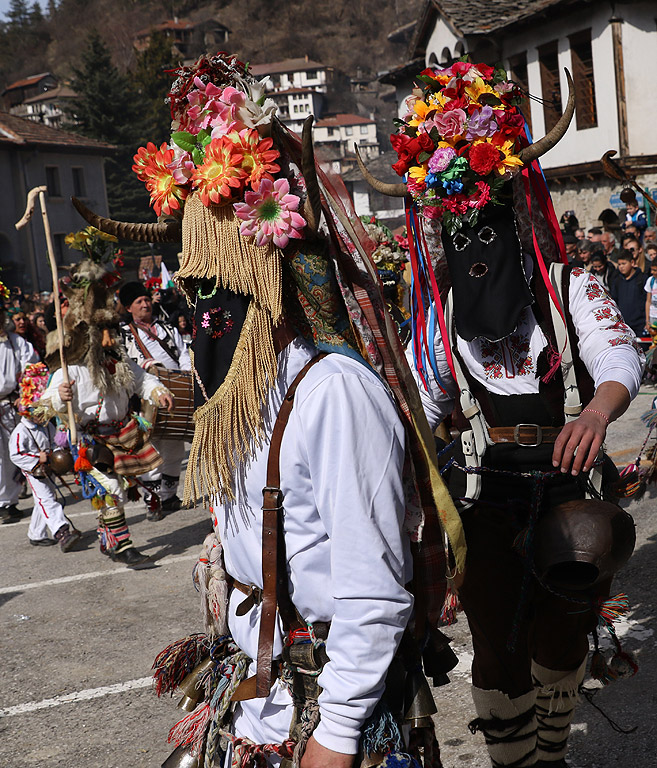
(275,588)
(154,337)
(529,435)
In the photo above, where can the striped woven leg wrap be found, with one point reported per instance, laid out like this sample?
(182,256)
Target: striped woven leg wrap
(115,528)
(556,699)
(508,725)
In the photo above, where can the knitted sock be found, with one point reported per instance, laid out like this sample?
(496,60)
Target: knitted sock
(113,527)
(508,725)
(556,699)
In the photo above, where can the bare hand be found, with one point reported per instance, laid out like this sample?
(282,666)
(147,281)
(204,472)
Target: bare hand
(43,457)
(149,363)
(66,391)
(586,435)
(166,401)
(317,756)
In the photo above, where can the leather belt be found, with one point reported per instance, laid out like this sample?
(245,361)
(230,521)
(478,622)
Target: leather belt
(253,596)
(525,435)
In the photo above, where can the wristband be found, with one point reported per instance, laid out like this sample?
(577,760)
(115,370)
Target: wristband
(600,413)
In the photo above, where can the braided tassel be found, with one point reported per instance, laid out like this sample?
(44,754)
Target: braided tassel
(191,729)
(177,660)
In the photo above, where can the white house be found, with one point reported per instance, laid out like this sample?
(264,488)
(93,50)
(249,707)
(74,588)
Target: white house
(294,73)
(609,48)
(340,132)
(295,104)
(33,155)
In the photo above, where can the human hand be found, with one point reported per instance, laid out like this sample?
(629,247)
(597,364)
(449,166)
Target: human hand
(317,756)
(166,401)
(579,441)
(43,457)
(149,363)
(66,391)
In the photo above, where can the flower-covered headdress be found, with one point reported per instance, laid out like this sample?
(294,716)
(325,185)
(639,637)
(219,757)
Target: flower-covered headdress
(31,385)
(459,141)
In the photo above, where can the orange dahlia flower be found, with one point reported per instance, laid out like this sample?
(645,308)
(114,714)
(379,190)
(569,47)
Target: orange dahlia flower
(221,174)
(151,167)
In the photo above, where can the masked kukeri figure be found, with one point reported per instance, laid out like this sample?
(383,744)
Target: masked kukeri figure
(535,361)
(113,446)
(306,413)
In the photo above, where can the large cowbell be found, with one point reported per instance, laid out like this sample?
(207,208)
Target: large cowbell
(489,286)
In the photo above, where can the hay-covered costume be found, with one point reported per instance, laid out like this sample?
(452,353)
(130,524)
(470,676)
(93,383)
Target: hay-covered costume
(162,345)
(279,427)
(516,343)
(15,355)
(113,444)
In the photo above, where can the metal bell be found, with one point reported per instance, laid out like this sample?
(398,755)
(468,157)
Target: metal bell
(182,757)
(101,457)
(60,461)
(418,701)
(191,686)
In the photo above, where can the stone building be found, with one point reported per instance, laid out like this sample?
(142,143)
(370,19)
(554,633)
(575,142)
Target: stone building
(609,48)
(32,155)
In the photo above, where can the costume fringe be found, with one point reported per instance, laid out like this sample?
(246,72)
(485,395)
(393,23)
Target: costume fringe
(213,248)
(230,423)
(177,660)
(191,729)
(213,586)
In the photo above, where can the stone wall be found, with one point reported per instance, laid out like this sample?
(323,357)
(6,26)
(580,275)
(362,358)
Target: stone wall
(588,198)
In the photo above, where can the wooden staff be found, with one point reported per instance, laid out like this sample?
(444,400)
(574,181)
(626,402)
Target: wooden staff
(29,210)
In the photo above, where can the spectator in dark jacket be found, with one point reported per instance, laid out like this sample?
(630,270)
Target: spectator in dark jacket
(627,290)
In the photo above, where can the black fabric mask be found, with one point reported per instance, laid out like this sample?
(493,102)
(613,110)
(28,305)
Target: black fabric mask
(218,322)
(488,280)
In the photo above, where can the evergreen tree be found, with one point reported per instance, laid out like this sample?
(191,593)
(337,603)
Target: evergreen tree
(152,79)
(18,16)
(108,109)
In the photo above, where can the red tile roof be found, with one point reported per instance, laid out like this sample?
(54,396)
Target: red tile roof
(26,81)
(331,121)
(288,65)
(18,132)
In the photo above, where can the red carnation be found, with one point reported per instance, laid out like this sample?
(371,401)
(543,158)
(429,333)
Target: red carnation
(408,149)
(483,158)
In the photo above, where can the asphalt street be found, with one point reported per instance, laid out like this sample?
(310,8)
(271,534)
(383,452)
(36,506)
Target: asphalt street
(79,634)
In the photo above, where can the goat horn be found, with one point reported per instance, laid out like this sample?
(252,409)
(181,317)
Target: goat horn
(161,232)
(392,190)
(611,167)
(313,205)
(540,147)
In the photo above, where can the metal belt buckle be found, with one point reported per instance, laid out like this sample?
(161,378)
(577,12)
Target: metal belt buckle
(538,438)
(254,597)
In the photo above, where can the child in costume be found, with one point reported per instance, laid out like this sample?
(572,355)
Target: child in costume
(29,447)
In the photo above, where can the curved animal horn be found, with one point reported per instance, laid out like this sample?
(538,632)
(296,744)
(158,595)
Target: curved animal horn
(392,190)
(161,232)
(611,167)
(313,205)
(540,147)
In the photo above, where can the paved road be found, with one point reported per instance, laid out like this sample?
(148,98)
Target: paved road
(79,634)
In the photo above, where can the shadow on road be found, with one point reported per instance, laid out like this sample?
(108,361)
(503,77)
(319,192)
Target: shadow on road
(178,541)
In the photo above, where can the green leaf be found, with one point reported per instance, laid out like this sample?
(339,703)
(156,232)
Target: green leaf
(435,135)
(399,122)
(184,140)
(490,99)
(201,136)
(206,141)
(426,79)
(198,155)
(423,157)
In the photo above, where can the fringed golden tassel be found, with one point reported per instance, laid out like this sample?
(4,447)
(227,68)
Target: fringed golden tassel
(213,248)
(230,423)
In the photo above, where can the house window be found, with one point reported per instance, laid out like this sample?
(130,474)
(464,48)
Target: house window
(518,67)
(364,129)
(548,60)
(79,189)
(581,55)
(60,247)
(349,130)
(52,181)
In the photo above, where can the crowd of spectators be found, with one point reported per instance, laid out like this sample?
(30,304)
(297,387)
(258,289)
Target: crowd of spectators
(621,253)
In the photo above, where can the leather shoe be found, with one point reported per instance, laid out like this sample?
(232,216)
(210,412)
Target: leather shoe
(42,542)
(154,514)
(10,514)
(172,505)
(131,557)
(67,538)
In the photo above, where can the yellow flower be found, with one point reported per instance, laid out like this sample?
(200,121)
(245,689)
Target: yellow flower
(477,88)
(418,172)
(509,162)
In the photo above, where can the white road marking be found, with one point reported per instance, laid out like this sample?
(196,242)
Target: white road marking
(26,520)
(91,575)
(71,698)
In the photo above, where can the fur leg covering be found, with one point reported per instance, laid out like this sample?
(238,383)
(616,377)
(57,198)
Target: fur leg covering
(556,699)
(508,725)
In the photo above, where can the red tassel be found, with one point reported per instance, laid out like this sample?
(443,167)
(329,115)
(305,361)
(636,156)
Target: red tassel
(451,607)
(82,463)
(191,729)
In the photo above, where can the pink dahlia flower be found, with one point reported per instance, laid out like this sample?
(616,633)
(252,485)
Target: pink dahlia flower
(270,214)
